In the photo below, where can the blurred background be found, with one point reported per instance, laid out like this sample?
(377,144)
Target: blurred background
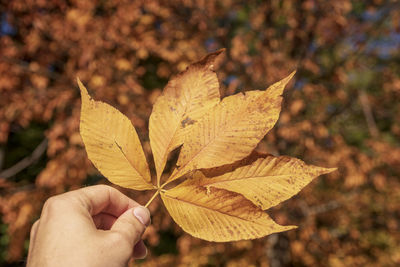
(342,110)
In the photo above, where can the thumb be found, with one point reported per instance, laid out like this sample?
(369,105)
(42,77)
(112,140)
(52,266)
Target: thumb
(132,223)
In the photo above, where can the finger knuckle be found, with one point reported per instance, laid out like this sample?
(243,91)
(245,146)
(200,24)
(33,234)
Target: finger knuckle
(35,225)
(34,228)
(137,228)
(122,241)
(53,204)
(119,239)
(139,231)
(103,186)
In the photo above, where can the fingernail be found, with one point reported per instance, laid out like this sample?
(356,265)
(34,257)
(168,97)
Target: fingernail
(141,257)
(140,250)
(142,214)
(145,254)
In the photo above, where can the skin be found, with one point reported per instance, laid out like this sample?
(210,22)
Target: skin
(94,226)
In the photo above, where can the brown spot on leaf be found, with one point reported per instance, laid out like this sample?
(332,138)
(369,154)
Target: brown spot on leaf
(187,121)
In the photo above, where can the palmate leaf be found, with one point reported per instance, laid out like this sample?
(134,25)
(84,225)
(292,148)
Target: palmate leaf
(229,185)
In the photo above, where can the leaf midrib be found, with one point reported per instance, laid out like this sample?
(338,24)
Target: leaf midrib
(216,135)
(205,207)
(180,115)
(244,178)
(130,163)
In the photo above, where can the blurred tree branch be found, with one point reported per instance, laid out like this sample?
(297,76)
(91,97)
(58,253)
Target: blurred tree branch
(25,162)
(369,117)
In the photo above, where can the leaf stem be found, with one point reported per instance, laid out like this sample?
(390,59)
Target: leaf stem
(153,197)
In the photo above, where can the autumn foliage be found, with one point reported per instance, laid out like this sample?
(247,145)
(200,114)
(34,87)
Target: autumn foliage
(216,136)
(340,111)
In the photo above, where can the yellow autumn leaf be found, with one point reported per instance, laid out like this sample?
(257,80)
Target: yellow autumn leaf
(231,184)
(112,144)
(231,130)
(266,182)
(217,214)
(185,99)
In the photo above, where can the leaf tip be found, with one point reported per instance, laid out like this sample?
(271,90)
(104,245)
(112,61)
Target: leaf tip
(209,59)
(327,170)
(278,87)
(80,83)
(322,170)
(84,93)
(286,80)
(290,227)
(219,51)
(284,228)
(292,74)
(216,53)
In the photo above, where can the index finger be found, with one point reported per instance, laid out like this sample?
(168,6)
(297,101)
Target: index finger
(102,199)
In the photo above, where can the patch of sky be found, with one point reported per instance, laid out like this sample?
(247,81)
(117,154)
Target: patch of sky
(5,27)
(386,46)
(373,15)
(299,84)
(228,80)
(157,24)
(312,47)
(211,44)
(331,108)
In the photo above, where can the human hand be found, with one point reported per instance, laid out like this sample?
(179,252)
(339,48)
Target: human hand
(92,226)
